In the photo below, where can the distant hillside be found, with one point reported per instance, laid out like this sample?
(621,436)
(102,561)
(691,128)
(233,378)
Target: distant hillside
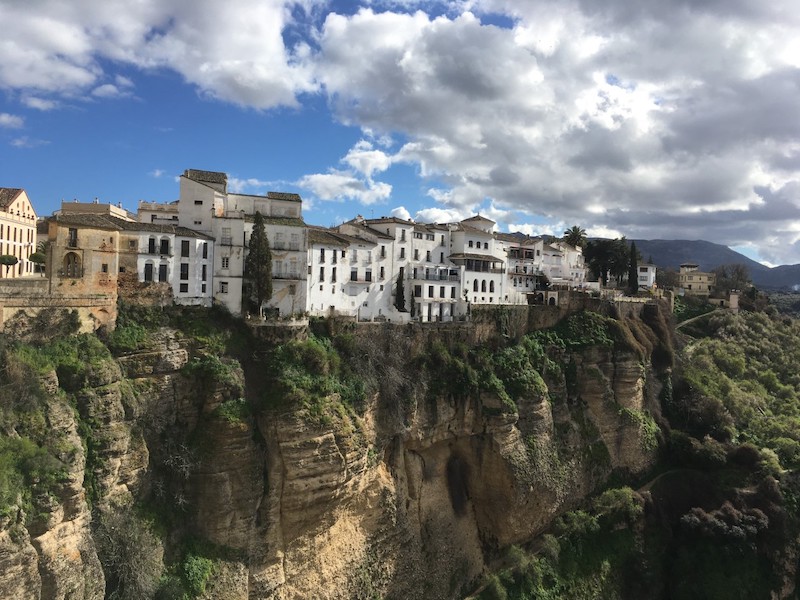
(671,253)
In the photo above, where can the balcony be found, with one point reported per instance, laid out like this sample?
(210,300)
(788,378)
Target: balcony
(291,246)
(72,242)
(287,275)
(226,241)
(360,280)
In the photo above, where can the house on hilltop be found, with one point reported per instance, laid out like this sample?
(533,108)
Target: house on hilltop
(694,282)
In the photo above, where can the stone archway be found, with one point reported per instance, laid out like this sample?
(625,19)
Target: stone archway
(72,265)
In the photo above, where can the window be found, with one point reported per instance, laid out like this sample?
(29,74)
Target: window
(333,275)
(203,273)
(223,287)
(470,244)
(402,253)
(162,272)
(485,245)
(441,257)
(148,272)
(322,273)
(442,242)
(164,248)
(196,222)
(402,235)
(73,237)
(491,286)
(203,289)
(226,261)
(343,253)
(185,248)
(151,246)
(381,288)
(104,268)
(428,256)
(132,244)
(322,255)
(417,291)
(475,286)
(429,236)
(382,273)
(226,240)
(417,235)
(441,291)
(483,285)
(205,249)
(453,292)
(383,251)
(354,275)
(184,288)
(416,254)
(368,275)
(198,203)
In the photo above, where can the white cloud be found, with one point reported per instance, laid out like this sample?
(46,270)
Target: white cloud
(37,103)
(157,173)
(248,185)
(401,213)
(107,90)
(27,142)
(11,121)
(364,159)
(341,185)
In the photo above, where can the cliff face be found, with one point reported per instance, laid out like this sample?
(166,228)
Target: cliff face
(405,497)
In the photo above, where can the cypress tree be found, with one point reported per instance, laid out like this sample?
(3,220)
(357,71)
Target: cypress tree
(258,263)
(633,271)
(400,293)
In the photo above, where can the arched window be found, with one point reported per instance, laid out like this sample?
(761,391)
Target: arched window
(475,286)
(491,286)
(72,265)
(483,285)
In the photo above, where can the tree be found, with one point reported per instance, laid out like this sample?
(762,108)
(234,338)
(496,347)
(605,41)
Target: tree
(667,279)
(38,259)
(608,258)
(8,260)
(633,271)
(258,263)
(575,236)
(400,293)
(731,277)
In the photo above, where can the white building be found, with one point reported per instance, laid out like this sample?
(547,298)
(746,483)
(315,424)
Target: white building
(158,213)
(205,205)
(647,276)
(482,258)
(176,255)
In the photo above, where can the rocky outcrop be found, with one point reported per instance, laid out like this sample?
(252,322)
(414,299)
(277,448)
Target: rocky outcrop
(403,500)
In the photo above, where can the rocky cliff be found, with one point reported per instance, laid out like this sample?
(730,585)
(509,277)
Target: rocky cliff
(377,462)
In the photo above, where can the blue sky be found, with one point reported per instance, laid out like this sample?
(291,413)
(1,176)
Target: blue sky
(653,120)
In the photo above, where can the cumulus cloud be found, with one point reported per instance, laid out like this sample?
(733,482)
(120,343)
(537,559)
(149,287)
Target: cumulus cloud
(582,113)
(651,119)
(342,185)
(401,213)
(11,121)
(157,173)
(37,103)
(247,185)
(233,51)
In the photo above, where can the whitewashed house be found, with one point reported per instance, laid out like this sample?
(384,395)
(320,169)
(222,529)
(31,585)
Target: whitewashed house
(647,276)
(205,205)
(482,258)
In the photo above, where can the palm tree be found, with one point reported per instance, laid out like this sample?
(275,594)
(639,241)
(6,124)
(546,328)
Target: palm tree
(575,236)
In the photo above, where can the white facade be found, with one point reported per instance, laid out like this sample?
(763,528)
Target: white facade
(158,213)
(180,257)
(647,276)
(205,205)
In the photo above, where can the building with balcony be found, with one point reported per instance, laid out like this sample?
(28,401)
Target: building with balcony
(17,231)
(205,205)
(646,276)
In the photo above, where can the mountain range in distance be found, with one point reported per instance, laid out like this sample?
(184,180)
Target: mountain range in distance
(707,255)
